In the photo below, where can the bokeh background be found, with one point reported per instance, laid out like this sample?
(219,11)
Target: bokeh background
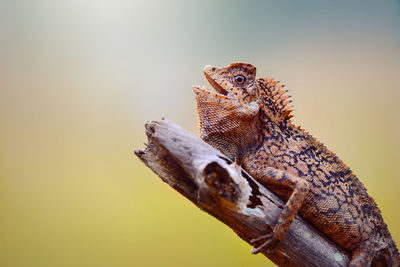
(78,80)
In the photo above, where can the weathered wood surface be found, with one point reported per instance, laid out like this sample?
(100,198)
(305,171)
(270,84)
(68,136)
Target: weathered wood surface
(221,188)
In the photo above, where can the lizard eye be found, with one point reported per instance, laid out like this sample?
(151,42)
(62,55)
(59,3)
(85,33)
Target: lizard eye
(240,79)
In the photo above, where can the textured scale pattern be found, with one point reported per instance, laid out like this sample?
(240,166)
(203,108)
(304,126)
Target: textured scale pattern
(249,120)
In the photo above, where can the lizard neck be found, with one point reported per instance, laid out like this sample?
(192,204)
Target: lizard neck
(273,125)
(267,131)
(237,140)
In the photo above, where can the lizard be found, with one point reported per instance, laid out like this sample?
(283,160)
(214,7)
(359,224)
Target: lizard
(249,120)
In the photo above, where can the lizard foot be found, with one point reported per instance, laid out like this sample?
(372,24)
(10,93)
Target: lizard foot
(269,241)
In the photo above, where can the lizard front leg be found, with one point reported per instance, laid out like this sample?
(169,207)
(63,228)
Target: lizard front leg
(271,177)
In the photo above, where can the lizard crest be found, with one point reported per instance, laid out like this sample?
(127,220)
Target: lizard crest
(275,99)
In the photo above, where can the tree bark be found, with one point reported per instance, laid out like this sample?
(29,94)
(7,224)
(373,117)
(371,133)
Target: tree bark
(221,188)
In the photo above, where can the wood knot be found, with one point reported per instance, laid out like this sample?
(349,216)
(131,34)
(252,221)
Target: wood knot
(220,182)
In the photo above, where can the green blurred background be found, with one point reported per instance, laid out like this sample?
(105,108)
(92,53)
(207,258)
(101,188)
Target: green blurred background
(78,80)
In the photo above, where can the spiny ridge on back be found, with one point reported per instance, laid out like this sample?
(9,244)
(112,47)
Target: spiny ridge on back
(276,97)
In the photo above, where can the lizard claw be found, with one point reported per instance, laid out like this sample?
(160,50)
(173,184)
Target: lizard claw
(269,239)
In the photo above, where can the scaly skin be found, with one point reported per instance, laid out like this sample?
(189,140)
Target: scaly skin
(248,119)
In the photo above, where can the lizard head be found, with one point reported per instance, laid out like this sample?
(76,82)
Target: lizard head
(227,116)
(238,81)
(235,80)
(234,85)
(230,118)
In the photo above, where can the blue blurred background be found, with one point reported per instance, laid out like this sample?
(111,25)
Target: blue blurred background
(78,80)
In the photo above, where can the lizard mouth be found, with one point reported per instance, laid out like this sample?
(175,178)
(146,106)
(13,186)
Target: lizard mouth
(203,90)
(216,86)
(220,92)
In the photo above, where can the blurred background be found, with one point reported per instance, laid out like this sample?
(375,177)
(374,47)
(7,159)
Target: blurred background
(78,80)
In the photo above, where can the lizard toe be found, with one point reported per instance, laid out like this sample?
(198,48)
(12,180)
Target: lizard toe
(269,244)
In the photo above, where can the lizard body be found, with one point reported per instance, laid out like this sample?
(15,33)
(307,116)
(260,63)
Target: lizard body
(249,119)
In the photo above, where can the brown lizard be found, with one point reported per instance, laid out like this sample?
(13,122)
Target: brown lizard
(249,119)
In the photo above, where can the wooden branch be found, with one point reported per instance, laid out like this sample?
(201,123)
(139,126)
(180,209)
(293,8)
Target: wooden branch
(221,188)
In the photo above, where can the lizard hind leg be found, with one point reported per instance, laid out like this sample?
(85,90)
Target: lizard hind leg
(300,187)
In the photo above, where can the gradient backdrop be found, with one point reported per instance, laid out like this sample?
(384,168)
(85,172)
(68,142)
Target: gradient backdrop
(78,80)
